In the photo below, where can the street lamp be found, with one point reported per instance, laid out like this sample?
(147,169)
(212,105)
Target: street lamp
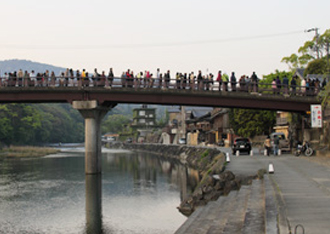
(317,40)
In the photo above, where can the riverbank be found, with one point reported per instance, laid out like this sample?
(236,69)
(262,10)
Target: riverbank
(26,152)
(210,163)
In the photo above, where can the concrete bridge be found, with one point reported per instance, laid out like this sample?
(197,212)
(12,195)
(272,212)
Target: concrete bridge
(94,102)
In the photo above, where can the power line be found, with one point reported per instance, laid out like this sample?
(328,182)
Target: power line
(146,45)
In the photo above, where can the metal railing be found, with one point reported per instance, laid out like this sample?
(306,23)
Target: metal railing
(154,83)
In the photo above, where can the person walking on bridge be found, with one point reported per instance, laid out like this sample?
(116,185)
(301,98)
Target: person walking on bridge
(254,80)
(167,79)
(110,77)
(278,84)
(20,76)
(293,85)
(285,85)
(225,80)
(303,87)
(219,79)
(199,80)
(233,82)
(192,81)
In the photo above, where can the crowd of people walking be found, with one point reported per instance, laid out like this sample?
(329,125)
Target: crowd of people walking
(191,81)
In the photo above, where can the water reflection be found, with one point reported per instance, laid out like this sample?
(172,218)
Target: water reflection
(136,193)
(147,169)
(93,204)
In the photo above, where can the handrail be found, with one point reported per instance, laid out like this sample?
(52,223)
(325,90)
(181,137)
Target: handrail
(155,83)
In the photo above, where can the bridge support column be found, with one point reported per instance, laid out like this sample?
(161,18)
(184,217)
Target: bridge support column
(93,115)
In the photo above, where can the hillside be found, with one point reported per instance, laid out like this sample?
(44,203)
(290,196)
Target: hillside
(16,64)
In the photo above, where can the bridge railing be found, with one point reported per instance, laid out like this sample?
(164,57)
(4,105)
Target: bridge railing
(154,83)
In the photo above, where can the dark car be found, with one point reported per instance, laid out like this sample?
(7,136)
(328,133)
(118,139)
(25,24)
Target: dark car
(241,144)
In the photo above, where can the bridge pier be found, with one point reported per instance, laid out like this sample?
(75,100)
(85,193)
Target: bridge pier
(93,114)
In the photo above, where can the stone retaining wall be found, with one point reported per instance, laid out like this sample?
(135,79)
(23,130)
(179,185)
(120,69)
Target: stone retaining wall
(196,157)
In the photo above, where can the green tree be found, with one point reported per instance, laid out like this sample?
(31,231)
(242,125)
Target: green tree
(317,66)
(31,124)
(311,50)
(6,128)
(267,79)
(163,121)
(249,123)
(114,123)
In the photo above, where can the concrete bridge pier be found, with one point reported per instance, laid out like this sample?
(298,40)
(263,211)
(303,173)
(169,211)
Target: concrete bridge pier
(93,114)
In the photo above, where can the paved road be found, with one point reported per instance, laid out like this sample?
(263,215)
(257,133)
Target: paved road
(303,183)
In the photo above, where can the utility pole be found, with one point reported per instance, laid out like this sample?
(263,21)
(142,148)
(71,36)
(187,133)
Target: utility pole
(328,57)
(316,39)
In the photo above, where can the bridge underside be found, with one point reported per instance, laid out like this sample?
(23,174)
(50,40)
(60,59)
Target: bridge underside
(160,97)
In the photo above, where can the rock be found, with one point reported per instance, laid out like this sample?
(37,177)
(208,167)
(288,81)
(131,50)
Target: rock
(207,189)
(219,185)
(227,176)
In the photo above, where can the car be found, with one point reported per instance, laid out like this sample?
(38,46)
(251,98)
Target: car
(182,141)
(241,144)
(284,143)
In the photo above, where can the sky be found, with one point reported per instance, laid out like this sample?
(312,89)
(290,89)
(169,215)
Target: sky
(178,35)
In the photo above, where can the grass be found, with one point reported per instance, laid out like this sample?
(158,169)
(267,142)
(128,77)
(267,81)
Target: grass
(27,151)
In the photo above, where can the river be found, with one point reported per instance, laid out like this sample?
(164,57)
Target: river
(136,193)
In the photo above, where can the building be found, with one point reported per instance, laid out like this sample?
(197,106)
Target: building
(144,117)
(208,127)
(144,121)
(282,123)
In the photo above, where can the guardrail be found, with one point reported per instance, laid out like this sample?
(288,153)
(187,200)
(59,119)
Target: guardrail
(155,83)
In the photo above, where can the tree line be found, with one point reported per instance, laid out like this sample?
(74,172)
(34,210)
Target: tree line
(37,124)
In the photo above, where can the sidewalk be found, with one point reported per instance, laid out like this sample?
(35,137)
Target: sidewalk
(303,183)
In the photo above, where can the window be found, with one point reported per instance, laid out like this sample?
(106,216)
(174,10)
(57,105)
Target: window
(142,113)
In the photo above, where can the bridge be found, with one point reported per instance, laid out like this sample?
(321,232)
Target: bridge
(94,101)
(106,96)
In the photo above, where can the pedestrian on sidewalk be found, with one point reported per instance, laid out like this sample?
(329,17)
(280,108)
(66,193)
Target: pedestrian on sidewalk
(267,145)
(276,144)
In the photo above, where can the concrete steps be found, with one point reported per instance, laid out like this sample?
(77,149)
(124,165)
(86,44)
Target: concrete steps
(252,209)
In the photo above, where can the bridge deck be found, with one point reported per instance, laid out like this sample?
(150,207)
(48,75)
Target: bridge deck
(211,98)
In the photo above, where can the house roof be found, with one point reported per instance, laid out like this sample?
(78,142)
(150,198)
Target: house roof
(196,114)
(174,110)
(317,76)
(300,72)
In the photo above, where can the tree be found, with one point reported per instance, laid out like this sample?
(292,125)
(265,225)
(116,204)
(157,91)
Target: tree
(115,123)
(249,123)
(317,66)
(31,124)
(311,50)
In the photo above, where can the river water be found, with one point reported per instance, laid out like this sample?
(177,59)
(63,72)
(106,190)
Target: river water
(136,193)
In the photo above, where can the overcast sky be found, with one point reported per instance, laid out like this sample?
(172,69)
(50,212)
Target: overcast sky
(180,35)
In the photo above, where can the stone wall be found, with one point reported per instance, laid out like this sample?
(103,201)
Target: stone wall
(200,158)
